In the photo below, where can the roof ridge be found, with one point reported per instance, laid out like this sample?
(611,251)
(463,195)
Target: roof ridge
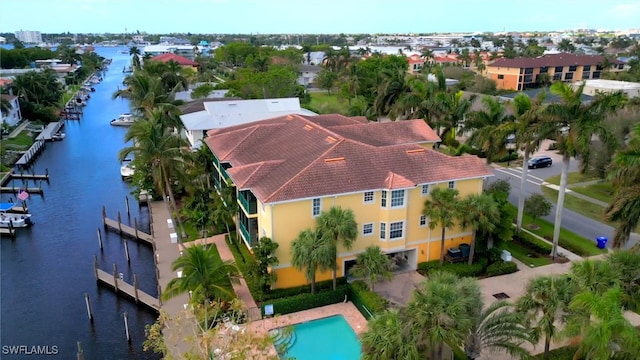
(257,166)
(340,137)
(253,129)
(303,169)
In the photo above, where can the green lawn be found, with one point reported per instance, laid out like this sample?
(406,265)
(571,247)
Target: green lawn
(525,255)
(582,207)
(328,103)
(21,142)
(573,178)
(601,191)
(568,240)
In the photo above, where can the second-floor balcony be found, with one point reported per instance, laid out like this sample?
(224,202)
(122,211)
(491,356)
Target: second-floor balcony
(248,202)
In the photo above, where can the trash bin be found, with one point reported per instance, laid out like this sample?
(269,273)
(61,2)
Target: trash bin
(601,242)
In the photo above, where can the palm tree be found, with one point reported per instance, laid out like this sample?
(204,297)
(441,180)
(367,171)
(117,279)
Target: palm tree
(442,210)
(544,305)
(203,273)
(449,108)
(529,129)
(135,57)
(5,106)
(440,311)
(489,127)
(340,227)
(312,251)
(497,328)
(372,264)
(146,92)
(385,338)
(593,275)
(601,326)
(394,84)
(414,103)
(478,211)
(625,206)
(626,265)
(578,123)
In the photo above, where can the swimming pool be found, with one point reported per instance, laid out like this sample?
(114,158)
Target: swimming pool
(330,338)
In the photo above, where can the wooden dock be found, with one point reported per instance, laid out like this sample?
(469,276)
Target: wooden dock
(30,176)
(31,154)
(50,130)
(10,232)
(15,190)
(127,230)
(132,291)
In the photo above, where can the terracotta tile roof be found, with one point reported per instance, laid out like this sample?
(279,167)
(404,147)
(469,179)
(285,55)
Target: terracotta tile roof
(181,60)
(8,97)
(551,60)
(294,157)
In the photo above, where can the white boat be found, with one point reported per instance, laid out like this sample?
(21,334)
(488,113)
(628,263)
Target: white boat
(123,120)
(9,219)
(127,169)
(58,136)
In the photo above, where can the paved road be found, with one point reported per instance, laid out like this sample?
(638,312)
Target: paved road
(571,221)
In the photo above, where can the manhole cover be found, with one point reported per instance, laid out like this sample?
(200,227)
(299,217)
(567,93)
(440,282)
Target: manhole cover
(501,296)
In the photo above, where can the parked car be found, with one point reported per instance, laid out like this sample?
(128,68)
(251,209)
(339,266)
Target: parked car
(540,161)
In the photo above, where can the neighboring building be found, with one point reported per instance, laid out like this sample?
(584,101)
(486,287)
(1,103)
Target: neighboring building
(3,40)
(307,74)
(186,95)
(203,115)
(187,51)
(592,87)
(416,62)
(181,60)
(138,38)
(14,116)
(288,170)
(523,73)
(29,37)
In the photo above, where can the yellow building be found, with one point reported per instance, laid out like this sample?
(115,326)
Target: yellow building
(290,169)
(524,73)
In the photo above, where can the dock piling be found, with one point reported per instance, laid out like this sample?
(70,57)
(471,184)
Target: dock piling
(95,265)
(80,353)
(135,227)
(126,250)
(87,300)
(119,223)
(135,286)
(126,327)
(126,201)
(104,216)
(115,276)
(100,238)
(160,294)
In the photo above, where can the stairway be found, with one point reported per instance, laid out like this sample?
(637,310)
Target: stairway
(283,339)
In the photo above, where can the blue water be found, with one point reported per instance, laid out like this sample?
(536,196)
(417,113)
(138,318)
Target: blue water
(331,338)
(47,269)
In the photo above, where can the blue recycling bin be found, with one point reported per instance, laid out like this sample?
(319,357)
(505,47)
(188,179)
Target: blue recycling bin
(601,242)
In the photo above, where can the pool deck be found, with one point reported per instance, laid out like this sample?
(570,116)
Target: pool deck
(351,314)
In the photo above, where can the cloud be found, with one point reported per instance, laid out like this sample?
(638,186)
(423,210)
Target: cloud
(627,10)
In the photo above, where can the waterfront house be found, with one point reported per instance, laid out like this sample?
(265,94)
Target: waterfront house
(14,116)
(524,73)
(200,116)
(287,170)
(307,74)
(181,60)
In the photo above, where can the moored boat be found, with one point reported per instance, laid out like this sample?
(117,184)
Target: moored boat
(123,120)
(127,169)
(13,220)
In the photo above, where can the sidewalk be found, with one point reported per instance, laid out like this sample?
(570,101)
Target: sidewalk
(578,195)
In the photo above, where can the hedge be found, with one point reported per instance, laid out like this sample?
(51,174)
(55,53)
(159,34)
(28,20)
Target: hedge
(501,268)
(461,269)
(307,301)
(303,289)
(533,243)
(361,296)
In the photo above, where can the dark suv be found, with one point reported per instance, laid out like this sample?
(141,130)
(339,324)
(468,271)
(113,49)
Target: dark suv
(540,161)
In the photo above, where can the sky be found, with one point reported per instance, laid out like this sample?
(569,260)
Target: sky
(314,17)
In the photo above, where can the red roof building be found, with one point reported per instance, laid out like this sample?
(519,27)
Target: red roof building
(181,60)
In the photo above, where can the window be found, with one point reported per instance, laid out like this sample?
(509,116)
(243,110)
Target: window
(367,229)
(528,78)
(315,210)
(452,184)
(425,189)
(397,198)
(423,221)
(585,75)
(599,67)
(568,76)
(500,77)
(544,69)
(558,69)
(620,66)
(557,76)
(573,68)
(586,68)
(395,230)
(596,75)
(368,197)
(528,71)
(383,199)
(383,230)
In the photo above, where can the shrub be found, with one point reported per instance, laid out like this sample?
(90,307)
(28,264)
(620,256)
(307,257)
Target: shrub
(461,269)
(303,289)
(533,243)
(361,295)
(501,268)
(308,301)
(506,157)
(553,146)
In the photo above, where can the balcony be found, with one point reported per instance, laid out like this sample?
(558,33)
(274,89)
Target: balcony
(245,234)
(248,202)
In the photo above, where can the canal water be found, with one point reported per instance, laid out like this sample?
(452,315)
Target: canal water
(48,268)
